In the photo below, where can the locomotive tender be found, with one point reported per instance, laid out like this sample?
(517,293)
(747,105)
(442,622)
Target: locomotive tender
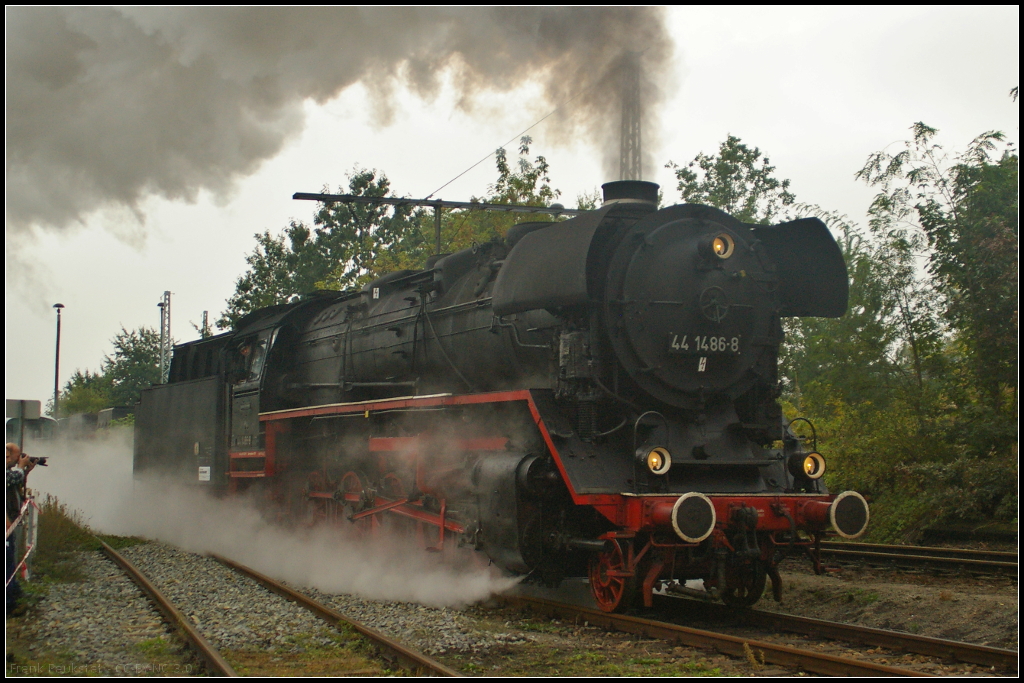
(595,396)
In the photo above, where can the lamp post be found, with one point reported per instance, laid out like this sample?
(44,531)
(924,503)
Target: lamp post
(165,336)
(56,369)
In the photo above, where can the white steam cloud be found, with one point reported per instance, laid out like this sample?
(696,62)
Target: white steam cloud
(106,107)
(95,478)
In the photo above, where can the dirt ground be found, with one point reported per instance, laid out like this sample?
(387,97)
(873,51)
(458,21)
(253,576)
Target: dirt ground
(540,647)
(972,609)
(981,610)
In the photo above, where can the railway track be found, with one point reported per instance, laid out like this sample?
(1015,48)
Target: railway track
(743,646)
(409,659)
(1002,659)
(730,633)
(204,650)
(915,557)
(392,652)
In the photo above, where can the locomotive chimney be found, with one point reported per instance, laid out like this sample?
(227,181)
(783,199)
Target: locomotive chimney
(631,192)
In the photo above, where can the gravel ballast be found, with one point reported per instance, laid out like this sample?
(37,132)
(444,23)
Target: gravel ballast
(232,611)
(431,630)
(102,625)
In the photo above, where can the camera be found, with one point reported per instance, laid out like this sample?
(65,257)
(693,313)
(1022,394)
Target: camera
(38,461)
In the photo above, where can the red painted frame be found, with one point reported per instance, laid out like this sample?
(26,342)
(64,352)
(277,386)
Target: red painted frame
(632,512)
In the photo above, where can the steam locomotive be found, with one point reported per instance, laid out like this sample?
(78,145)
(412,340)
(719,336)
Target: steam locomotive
(591,397)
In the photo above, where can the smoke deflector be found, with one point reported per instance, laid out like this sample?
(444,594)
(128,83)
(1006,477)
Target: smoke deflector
(811,269)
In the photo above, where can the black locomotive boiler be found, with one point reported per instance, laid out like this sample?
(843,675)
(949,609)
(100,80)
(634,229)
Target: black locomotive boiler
(592,397)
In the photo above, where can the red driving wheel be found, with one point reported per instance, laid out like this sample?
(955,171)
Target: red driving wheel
(612,583)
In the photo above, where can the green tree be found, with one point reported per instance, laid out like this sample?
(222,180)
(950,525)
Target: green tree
(337,252)
(888,340)
(736,180)
(960,211)
(963,212)
(85,392)
(527,183)
(914,391)
(134,365)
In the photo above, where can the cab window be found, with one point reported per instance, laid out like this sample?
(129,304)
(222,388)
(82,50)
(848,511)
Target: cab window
(251,357)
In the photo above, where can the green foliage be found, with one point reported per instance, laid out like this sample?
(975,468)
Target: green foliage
(205,329)
(861,596)
(350,244)
(134,366)
(350,237)
(337,252)
(85,392)
(588,201)
(527,182)
(62,532)
(886,344)
(115,542)
(914,391)
(736,181)
(127,422)
(963,211)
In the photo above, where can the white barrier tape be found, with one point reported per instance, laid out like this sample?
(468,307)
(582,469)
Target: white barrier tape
(31,546)
(21,515)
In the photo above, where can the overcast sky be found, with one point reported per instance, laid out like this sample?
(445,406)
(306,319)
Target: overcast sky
(817,90)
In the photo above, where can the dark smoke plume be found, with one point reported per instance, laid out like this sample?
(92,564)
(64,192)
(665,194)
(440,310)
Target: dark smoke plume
(109,106)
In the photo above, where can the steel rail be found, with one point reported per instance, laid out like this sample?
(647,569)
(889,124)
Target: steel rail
(215,663)
(910,558)
(412,660)
(923,550)
(783,655)
(895,640)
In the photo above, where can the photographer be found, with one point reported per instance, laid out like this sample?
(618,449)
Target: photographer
(18,466)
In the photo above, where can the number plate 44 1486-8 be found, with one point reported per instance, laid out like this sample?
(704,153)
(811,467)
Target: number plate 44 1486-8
(703,344)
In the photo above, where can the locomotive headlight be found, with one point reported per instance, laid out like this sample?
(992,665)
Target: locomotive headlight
(723,246)
(807,465)
(658,460)
(717,247)
(814,466)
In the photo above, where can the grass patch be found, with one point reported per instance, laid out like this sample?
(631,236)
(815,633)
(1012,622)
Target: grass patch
(62,532)
(344,654)
(697,669)
(540,627)
(861,596)
(535,659)
(642,661)
(154,647)
(587,657)
(115,542)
